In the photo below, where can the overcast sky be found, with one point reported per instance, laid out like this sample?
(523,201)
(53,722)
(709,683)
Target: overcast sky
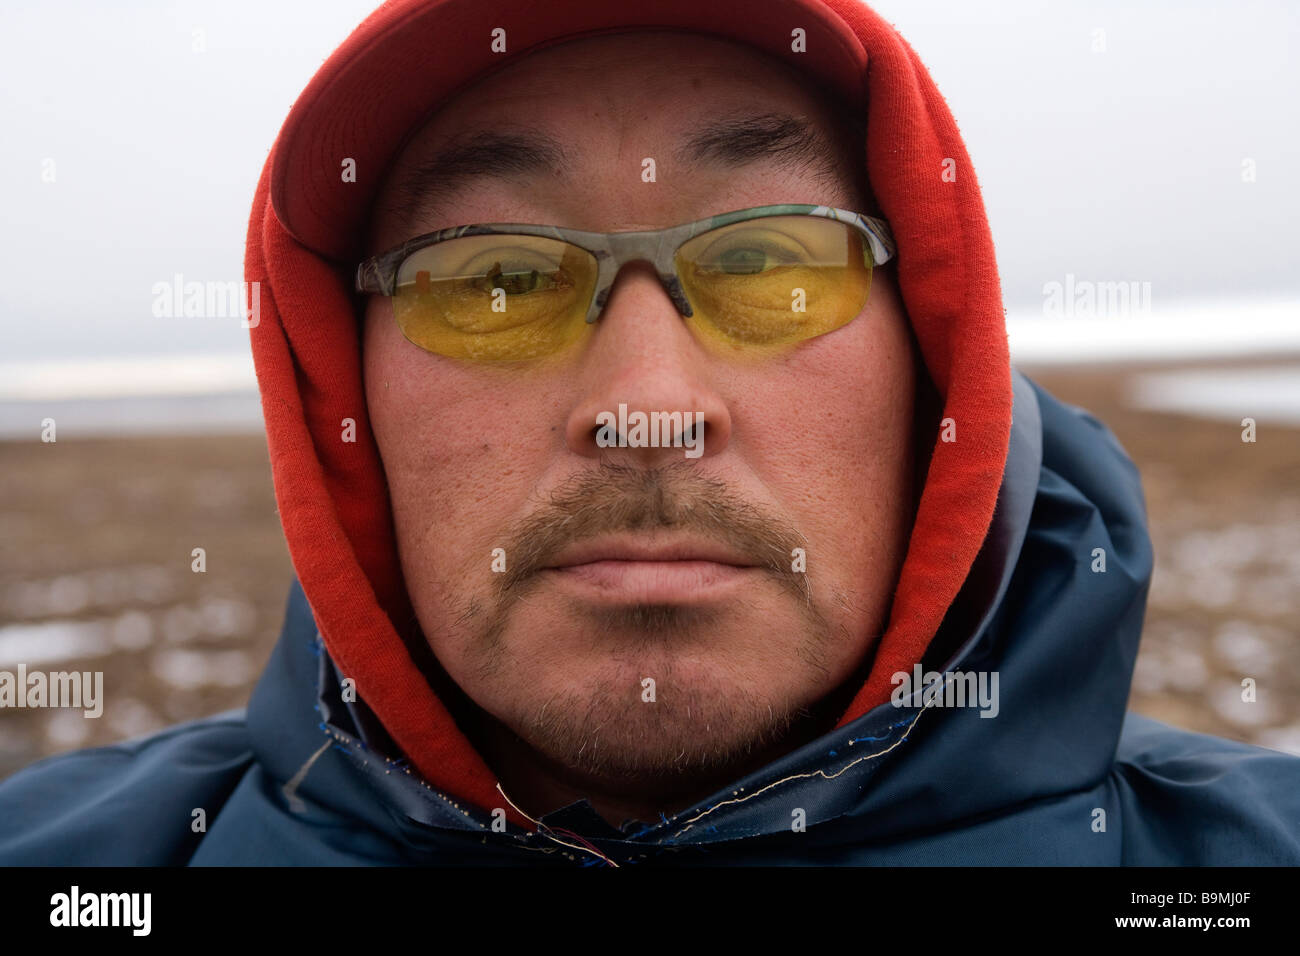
(1123,165)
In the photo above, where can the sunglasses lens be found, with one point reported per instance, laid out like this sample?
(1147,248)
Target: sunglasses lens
(775,280)
(495,297)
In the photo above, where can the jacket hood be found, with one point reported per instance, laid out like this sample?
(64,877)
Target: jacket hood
(332,495)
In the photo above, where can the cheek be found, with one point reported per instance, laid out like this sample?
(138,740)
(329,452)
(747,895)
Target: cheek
(830,436)
(458,450)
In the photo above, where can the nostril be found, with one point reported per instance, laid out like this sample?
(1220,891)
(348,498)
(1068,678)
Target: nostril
(695,431)
(693,437)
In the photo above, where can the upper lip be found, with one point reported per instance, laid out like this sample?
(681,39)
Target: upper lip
(626,547)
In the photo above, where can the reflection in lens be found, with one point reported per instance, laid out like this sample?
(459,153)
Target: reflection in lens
(775,280)
(495,297)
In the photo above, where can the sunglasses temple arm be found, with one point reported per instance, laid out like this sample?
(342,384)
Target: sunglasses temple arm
(881,239)
(374,275)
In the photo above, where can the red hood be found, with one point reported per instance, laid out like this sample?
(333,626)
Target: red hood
(332,496)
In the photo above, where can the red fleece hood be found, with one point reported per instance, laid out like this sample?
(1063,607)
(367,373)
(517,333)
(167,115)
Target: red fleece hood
(304,241)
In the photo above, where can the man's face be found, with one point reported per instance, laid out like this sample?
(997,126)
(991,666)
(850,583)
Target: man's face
(631,563)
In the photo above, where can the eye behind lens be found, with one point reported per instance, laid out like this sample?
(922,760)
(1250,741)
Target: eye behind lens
(494,297)
(823,289)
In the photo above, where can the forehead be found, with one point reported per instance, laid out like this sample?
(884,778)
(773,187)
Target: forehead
(572,112)
(646,68)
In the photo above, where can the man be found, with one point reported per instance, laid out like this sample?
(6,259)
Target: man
(659,488)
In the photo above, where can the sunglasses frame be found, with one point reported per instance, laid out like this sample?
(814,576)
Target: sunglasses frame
(612,250)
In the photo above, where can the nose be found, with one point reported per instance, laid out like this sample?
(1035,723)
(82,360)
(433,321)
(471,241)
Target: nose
(646,395)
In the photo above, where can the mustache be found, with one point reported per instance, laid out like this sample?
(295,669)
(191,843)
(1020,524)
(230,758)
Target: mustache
(613,498)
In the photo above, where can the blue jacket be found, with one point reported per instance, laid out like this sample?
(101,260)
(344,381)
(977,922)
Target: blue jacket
(1061,775)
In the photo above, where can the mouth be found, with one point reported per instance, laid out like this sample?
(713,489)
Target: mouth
(628,569)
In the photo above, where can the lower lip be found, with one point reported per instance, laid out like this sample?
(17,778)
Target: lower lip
(653,582)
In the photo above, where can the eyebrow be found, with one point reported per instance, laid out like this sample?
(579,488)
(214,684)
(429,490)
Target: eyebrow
(743,140)
(483,155)
(733,142)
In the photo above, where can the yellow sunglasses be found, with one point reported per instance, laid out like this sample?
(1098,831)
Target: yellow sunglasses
(767,276)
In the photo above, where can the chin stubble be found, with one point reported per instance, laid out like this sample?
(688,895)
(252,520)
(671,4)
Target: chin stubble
(607,731)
